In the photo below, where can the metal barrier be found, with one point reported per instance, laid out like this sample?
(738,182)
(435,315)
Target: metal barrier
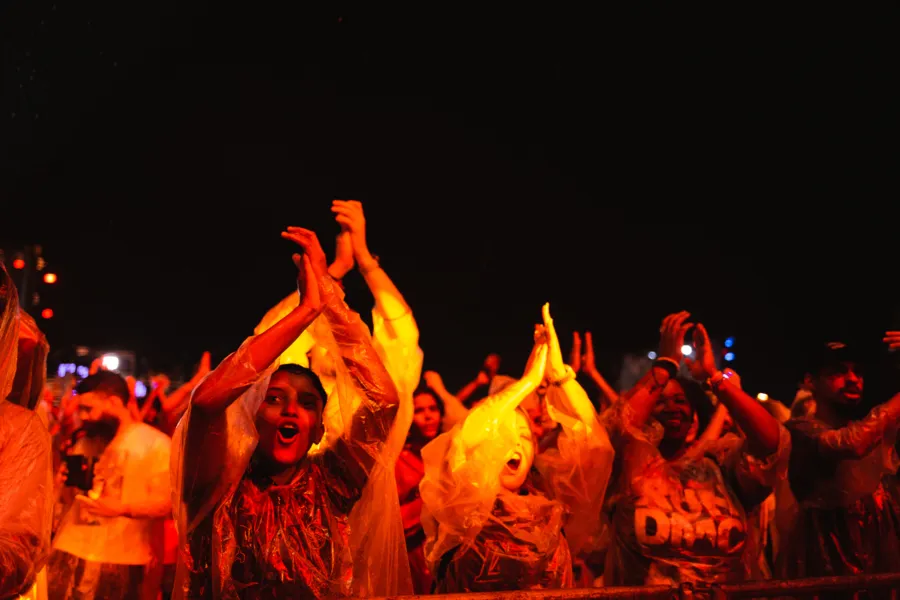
(796,588)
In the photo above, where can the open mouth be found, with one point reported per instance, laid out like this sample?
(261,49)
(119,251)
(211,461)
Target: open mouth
(288,432)
(673,420)
(514,462)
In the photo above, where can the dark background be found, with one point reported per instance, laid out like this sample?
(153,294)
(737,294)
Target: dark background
(620,161)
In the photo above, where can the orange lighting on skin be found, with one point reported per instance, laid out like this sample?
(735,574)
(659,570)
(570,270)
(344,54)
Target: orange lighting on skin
(50,278)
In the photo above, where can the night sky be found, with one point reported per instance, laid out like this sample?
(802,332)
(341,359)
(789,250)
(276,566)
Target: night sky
(621,164)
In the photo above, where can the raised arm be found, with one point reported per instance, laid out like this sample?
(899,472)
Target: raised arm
(644,395)
(395,332)
(762,430)
(454,410)
(240,370)
(379,401)
(388,299)
(481,419)
(204,462)
(588,365)
(563,376)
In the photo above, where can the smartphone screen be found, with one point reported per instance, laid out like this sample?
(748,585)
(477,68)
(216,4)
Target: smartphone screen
(81,471)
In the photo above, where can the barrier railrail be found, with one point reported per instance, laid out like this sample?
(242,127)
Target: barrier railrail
(795,588)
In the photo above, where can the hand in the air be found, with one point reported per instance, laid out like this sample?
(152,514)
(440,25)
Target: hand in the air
(671,335)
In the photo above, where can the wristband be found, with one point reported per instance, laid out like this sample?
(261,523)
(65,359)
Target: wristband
(715,382)
(567,377)
(670,366)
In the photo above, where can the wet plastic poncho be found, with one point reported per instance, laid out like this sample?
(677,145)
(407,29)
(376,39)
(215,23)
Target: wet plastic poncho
(302,539)
(396,342)
(26,481)
(31,364)
(684,521)
(843,515)
(484,538)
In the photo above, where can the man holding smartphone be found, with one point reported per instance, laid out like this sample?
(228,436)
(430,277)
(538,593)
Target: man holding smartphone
(109,542)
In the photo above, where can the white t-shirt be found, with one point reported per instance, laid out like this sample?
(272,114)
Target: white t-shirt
(135,468)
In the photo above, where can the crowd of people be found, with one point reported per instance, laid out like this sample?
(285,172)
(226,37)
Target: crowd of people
(318,460)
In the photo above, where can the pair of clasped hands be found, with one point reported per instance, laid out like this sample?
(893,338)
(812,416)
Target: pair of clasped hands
(546,361)
(312,264)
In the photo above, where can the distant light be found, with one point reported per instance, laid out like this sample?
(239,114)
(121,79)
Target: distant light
(140,390)
(83,371)
(651,355)
(110,362)
(729,356)
(41,263)
(82,350)
(18,264)
(47,313)
(686,350)
(65,368)
(49,277)
(729,342)
(762,397)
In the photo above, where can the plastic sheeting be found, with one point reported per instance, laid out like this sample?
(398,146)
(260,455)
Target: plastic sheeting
(31,364)
(396,343)
(482,537)
(26,481)
(578,468)
(9,332)
(684,521)
(298,542)
(842,507)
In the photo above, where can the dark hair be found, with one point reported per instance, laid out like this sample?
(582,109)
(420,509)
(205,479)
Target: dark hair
(699,401)
(106,383)
(295,369)
(422,389)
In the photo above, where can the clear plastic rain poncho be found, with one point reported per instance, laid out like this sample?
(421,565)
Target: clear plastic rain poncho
(31,369)
(482,537)
(328,532)
(396,341)
(685,520)
(26,481)
(841,514)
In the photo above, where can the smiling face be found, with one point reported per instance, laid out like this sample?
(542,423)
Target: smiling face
(674,412)
(289,420)
(520,458)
